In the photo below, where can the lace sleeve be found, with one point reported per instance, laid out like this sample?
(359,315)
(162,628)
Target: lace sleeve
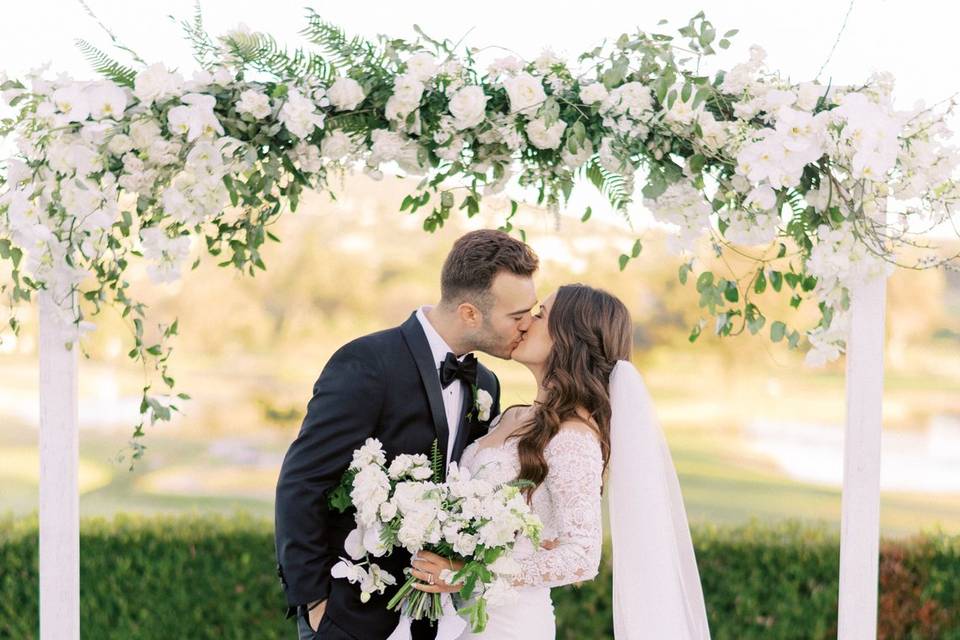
(573,482)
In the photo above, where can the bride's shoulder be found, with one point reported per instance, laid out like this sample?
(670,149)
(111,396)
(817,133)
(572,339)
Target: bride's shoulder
(578,429)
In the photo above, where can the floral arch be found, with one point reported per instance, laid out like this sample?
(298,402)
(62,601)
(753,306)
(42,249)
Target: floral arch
(822,188)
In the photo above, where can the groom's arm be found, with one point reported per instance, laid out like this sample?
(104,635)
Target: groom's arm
(341,415)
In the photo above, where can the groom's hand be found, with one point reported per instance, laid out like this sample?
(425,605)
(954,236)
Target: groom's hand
(316,613)
(427,567)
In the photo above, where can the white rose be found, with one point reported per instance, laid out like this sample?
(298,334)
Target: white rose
(593,92)
(469,107)
(255,103)
(144,132)
(544,137)
(633,98)
(299,114)
(484,402)
(408,89)
(120,144)
(156,83)
(422,66)
(336,145)
(524,91)
(397,109)
(345,94)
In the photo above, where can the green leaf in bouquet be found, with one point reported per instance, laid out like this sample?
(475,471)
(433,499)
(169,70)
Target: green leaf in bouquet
(339,499)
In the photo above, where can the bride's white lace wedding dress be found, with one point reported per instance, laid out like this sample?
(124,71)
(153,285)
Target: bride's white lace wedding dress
(568,503)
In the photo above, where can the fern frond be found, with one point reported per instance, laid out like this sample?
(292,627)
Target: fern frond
(261,51)
(436,461)
(615,188)
(342,52)
(105,65)
(204,48)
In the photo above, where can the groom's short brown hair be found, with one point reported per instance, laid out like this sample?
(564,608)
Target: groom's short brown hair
(475,260)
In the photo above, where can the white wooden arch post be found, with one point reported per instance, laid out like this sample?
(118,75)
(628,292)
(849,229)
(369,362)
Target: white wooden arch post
(860,525)
(59,487)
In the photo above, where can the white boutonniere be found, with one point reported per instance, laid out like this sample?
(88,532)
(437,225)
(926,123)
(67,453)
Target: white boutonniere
(482,402)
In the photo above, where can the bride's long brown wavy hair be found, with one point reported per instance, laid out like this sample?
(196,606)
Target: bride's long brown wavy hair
(591,330)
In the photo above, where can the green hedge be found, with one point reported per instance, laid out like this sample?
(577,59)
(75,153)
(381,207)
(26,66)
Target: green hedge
(213,577)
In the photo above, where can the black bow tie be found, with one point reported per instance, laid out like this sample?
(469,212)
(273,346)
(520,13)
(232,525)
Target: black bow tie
(451,369)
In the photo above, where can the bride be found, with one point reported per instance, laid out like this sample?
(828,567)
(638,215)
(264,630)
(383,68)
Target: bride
(592,415)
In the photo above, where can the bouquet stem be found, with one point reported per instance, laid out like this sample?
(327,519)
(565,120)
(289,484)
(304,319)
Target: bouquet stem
(416,604)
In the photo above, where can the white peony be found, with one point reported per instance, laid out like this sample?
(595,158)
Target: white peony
(468,107)
(345,94)
(524,91)
(255,103)
(544,137)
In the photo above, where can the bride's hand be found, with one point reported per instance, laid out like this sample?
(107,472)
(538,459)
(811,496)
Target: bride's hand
(549,544)
(427,567)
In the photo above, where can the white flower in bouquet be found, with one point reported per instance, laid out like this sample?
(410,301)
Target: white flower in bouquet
(336,145)
(164,253)
(195,117)
(371,488)
(593,93)
(144,131)
(371,453)
(299,114)
(508,64)
(543,136)
(254,103)
(119,144)
(106,100)
(524,91)
(633,98)
(422,66)
(576,160)
(407,91)
(468,107)
(307,157)
(155,84)
(72,101)
(763,197)
(371,580)
(345,94)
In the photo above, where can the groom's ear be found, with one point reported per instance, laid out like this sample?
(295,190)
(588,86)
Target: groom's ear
(469,315)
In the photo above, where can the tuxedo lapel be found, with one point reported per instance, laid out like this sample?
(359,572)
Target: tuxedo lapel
(466,425)
(416,340)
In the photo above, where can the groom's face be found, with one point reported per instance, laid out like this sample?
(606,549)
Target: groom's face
(513,298)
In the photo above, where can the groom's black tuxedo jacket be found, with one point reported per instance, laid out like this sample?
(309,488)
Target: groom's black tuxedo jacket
(385,385)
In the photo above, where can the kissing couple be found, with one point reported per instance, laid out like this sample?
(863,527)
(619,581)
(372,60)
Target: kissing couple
(591,429)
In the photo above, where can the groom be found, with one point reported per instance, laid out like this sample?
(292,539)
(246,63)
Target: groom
(407,387)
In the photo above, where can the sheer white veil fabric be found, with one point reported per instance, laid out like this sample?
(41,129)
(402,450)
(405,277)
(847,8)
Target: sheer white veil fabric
(656,584)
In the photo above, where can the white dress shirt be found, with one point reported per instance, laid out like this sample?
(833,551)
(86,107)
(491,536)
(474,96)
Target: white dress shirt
(453,394)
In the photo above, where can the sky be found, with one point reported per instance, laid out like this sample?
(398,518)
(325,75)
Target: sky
(915,40)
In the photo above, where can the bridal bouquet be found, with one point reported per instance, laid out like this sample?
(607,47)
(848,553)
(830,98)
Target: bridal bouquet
(406,504)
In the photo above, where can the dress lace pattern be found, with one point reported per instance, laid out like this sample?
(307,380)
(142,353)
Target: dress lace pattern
(568,503)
